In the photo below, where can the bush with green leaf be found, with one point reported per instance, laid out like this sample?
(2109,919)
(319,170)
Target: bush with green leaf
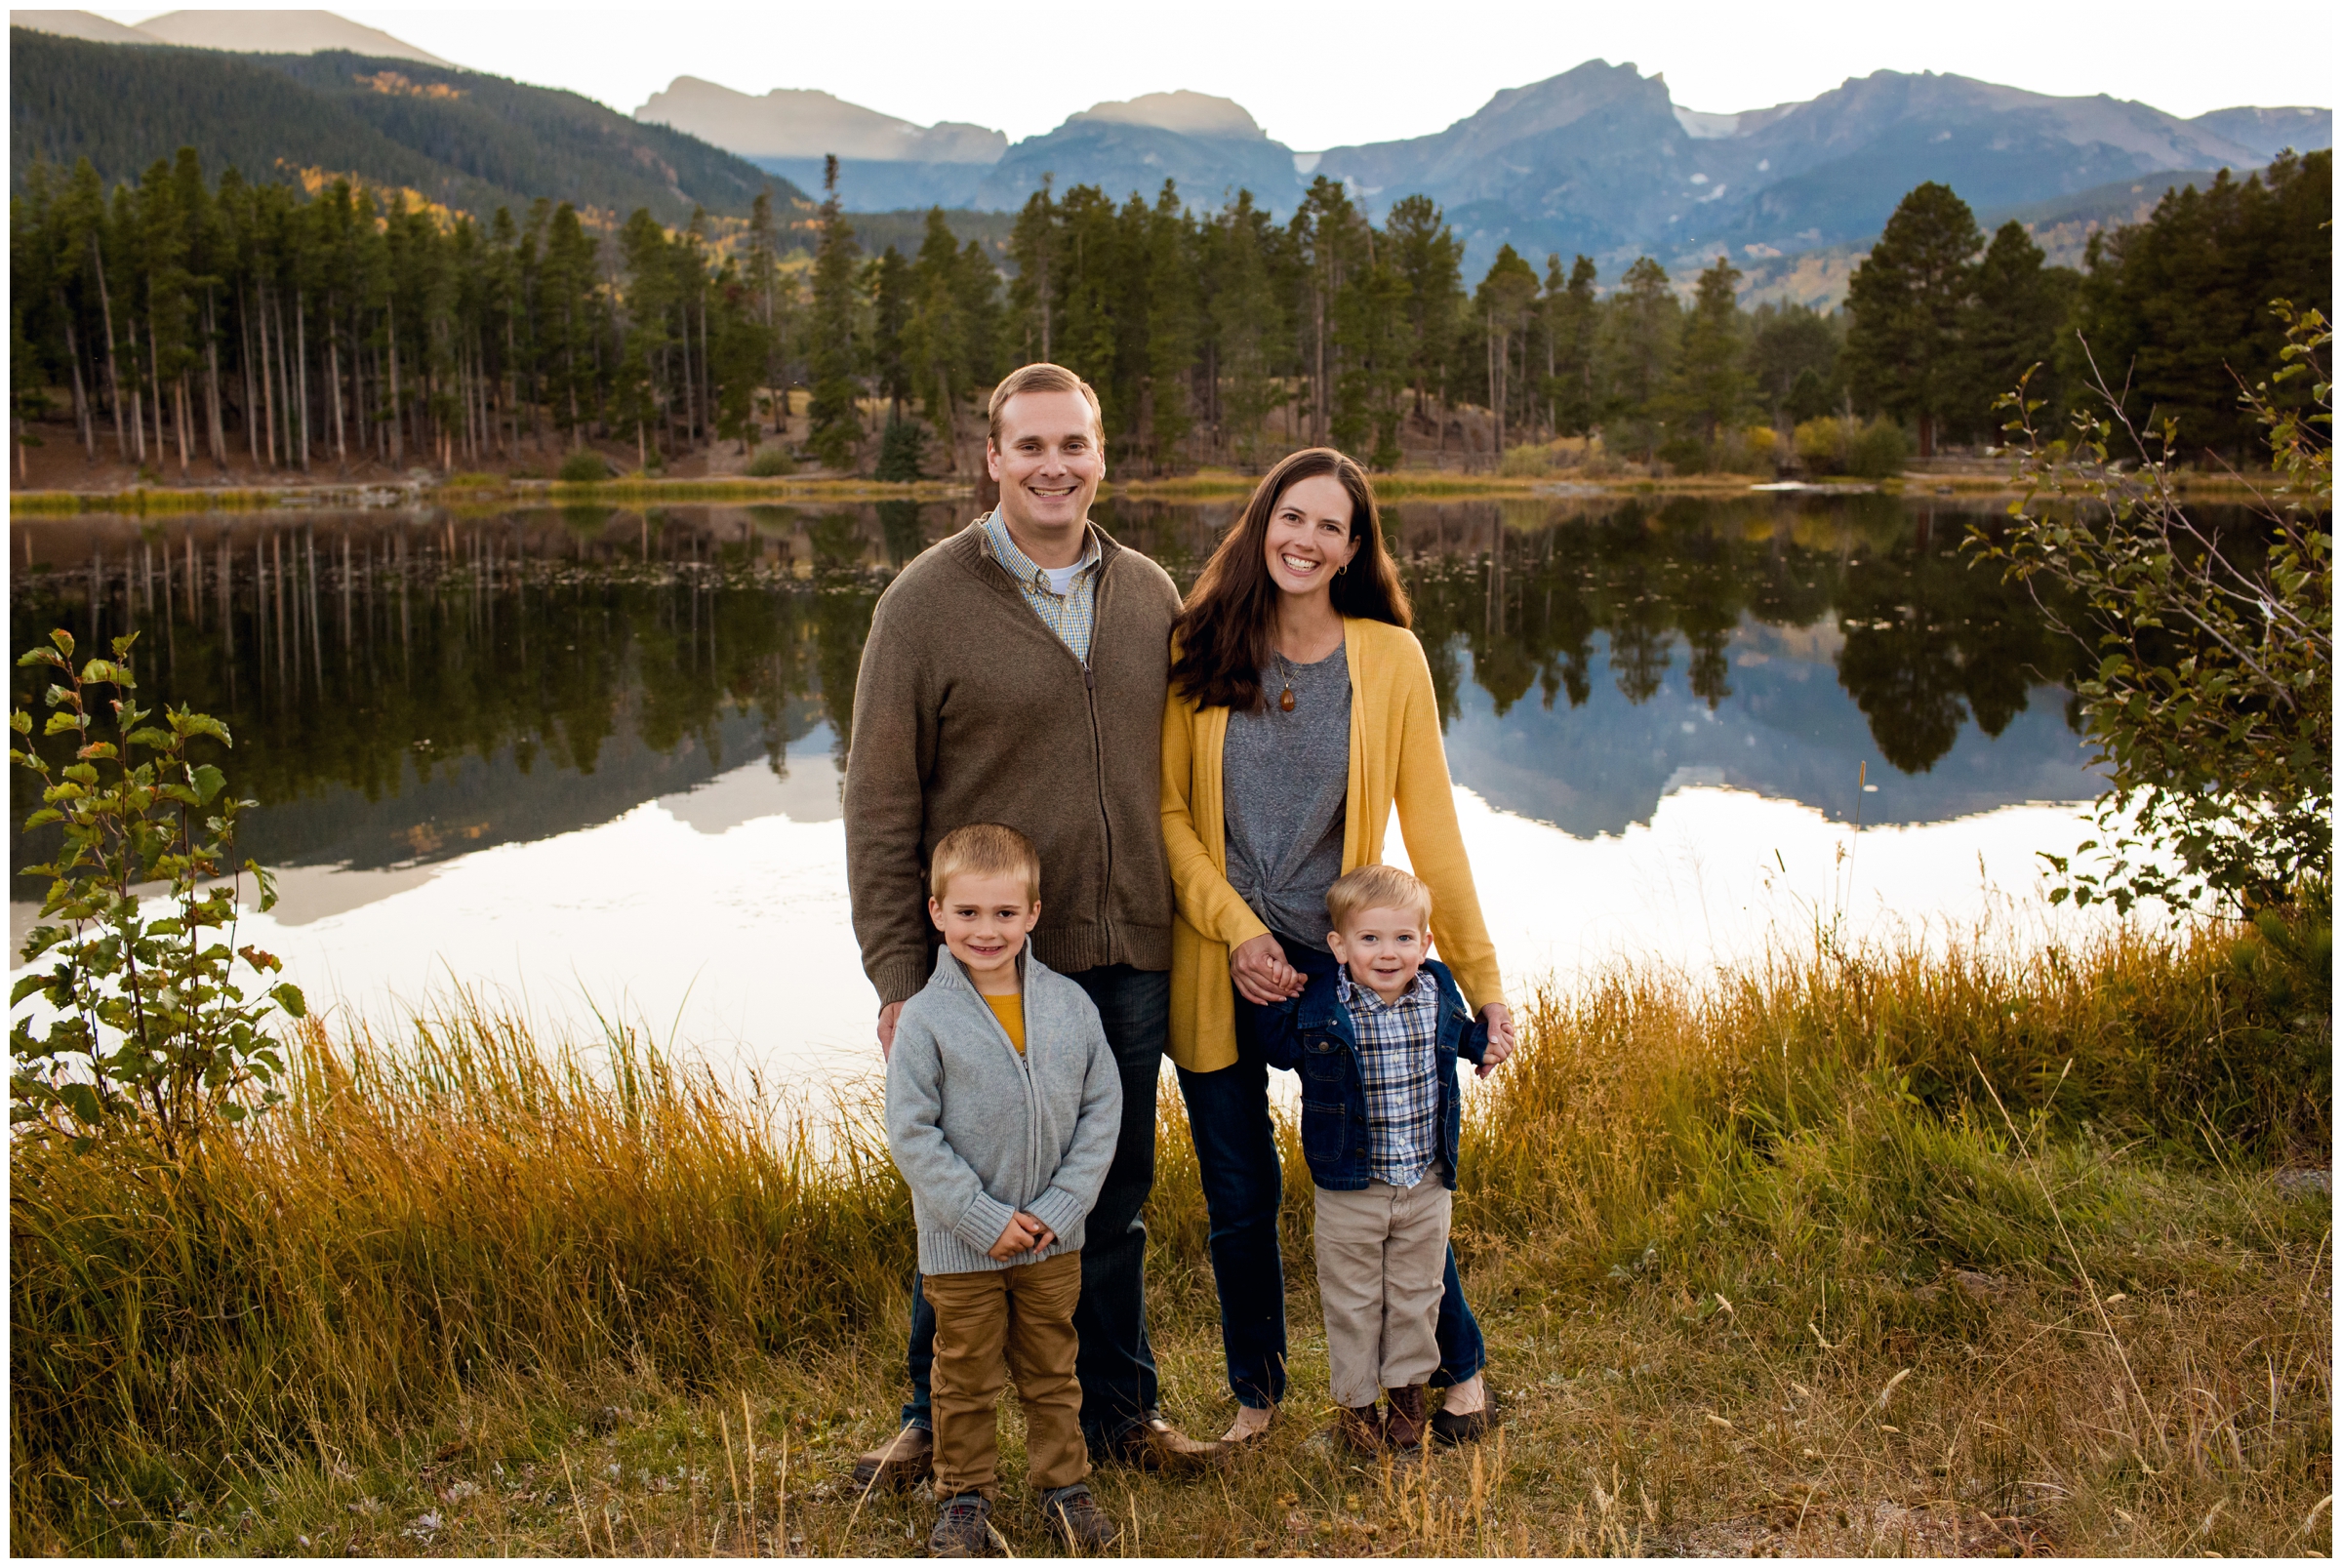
(583,468)
(149,1029)
(771,461)
(2212,703)
(902,451)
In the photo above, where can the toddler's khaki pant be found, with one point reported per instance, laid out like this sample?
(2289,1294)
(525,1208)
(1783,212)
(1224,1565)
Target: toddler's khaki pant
(1026,1311)
(1382,1255)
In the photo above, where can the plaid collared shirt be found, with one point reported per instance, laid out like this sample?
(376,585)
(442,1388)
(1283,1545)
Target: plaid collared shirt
(1072,614)
(1398,1061)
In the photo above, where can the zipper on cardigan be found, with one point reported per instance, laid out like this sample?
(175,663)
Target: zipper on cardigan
(1089,682)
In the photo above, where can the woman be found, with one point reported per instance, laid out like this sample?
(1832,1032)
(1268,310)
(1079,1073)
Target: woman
(1301,710)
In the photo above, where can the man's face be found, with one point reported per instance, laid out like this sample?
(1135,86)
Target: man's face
(1047,462)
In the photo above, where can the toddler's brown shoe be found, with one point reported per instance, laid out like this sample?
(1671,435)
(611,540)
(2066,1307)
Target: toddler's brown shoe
(1408,1418)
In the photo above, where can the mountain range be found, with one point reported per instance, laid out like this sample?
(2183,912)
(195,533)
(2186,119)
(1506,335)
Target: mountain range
(460,139)
(1598,159)
(258,32)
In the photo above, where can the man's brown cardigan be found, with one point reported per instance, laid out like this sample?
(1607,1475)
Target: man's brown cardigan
(969,710)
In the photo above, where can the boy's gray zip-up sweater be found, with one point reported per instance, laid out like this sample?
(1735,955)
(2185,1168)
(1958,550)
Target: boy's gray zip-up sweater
(979,1130)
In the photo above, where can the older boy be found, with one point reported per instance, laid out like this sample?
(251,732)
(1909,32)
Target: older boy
(1002,1102)
(1376,1043)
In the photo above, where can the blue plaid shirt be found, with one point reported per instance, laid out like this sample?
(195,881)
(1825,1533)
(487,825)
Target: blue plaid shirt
(1398,1061)
(1072,614)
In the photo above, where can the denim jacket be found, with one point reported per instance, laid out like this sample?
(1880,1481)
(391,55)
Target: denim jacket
(1312,1034)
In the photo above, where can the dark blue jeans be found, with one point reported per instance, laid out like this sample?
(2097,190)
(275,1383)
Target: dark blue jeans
(1236,1148)
(1117,1362)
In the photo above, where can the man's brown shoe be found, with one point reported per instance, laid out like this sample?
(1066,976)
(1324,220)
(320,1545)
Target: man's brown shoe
(1408,1418)
(1154,1444)
(902,1461)
(1361,1429)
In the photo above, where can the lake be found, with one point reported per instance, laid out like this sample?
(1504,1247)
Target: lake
(585,760)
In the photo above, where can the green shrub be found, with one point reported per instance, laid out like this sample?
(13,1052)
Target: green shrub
(1526,461)
(583,468)
(1878,452)
(902,451)
(1684,454)
(771,463)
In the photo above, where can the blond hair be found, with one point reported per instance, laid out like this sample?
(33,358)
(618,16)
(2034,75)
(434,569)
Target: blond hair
(984,849)
(1376,887)
(1042,378)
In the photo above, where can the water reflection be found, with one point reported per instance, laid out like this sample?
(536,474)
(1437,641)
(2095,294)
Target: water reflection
(586,683)
(409,687)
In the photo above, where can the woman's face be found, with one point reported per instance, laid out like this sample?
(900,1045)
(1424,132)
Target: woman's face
(1309,535)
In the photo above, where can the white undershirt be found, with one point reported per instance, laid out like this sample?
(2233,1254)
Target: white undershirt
(1061,577)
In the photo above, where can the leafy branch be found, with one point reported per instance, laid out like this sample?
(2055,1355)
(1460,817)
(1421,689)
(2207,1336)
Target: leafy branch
(2211,702)
(147,1028)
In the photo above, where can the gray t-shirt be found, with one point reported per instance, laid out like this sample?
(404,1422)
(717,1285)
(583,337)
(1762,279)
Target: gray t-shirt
(1285,781)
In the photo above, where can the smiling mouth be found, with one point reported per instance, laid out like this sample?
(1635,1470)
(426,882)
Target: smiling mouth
(1299,567)
(1052,493)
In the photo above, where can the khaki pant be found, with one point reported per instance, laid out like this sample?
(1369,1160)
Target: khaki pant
(1023,1313)
(1382,1257)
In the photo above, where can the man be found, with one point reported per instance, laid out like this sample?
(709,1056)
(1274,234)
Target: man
(1015,672)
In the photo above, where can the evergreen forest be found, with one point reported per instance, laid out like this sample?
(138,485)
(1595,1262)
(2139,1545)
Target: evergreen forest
(182,320)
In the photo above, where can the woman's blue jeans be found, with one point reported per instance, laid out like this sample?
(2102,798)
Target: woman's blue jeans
(1236,1149)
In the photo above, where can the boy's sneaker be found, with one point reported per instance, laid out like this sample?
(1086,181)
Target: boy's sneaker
(902,1461)
(963,1527)
(1361,1429)
(1076,1516)
(1408,1418)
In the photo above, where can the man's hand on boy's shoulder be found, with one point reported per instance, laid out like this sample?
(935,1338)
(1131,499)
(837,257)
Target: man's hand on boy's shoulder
(1022,1234)
(887,1017)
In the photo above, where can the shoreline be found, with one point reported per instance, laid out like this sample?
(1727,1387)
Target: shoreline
(1404,485)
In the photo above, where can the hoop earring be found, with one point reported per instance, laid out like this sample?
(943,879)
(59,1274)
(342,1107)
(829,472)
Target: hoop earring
(1339,570)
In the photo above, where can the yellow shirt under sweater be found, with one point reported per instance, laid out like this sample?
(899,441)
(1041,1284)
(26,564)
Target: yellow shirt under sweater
(1010,1011)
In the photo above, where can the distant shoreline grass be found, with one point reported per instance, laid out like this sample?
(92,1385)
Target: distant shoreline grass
(465,491)
(1765,1266)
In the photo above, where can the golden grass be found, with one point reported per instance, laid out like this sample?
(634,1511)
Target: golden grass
(1766,1266)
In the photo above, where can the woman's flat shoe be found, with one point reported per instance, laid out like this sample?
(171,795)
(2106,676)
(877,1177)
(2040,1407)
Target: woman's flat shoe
(1455,1431)
(1236,1438)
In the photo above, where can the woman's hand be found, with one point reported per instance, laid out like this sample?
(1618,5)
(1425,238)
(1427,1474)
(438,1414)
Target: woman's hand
(1499,1019)
(1263,976)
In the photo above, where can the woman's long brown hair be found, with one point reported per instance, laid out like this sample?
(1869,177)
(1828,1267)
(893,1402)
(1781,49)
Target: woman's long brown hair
(1226,631)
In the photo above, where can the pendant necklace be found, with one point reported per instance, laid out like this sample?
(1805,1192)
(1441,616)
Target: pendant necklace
(1285,702)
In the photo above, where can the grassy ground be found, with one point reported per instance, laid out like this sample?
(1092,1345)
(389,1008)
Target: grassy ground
(1863,1253)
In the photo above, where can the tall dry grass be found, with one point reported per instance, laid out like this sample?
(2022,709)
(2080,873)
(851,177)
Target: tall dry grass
(1837,1149)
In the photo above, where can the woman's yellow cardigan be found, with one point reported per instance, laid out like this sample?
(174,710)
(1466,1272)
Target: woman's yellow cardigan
(1395,757)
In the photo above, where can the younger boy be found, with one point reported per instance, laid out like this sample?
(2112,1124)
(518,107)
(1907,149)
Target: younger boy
(1003,1106)
(1376,1043)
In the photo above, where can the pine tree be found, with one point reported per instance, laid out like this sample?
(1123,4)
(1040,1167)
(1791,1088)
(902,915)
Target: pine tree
(1637,350)
(1036,244)
(1908,301)
(890,287)
(1710,378)
(2013,325)
(1571,316)
(1429,260)
(837,419)
(1247,326)
(1167,252)
(2175,312)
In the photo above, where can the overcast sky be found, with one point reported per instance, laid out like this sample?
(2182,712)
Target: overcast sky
(1318,76)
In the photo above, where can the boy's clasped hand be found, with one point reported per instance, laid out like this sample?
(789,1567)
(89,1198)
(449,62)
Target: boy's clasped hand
(1022,1234)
